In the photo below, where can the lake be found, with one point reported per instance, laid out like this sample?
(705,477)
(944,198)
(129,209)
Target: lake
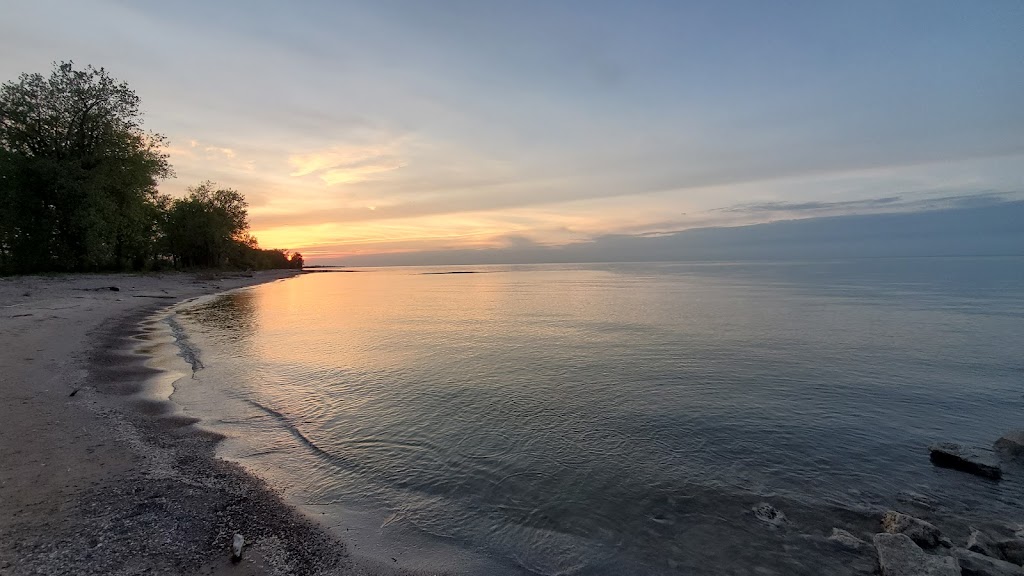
(616,418)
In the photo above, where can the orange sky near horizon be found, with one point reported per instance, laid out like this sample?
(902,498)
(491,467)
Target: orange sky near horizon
(358,128)
(349,200)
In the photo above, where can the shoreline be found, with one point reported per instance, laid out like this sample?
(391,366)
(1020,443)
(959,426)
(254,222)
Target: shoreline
(105,474)
(103,477)
(210,400)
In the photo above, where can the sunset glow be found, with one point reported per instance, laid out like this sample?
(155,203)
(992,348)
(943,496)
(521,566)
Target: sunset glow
(390,128)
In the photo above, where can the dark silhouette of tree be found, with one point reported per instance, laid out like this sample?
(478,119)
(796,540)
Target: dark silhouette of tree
(78,173)
(78,177)
(208,228)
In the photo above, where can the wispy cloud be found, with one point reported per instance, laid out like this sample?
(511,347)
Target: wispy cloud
(810,206)
(990,230)
(908,202)
(213,151)
(198,156)
(346,164)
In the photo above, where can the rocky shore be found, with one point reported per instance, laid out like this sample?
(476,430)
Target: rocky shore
(910,546)
(906,545)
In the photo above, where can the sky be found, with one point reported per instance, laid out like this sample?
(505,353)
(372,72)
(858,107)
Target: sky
(987,226)
(379,127)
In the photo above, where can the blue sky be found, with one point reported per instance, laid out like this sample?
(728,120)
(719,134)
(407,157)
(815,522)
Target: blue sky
(370,127)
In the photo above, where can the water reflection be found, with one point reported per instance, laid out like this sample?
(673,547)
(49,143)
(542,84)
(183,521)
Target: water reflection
(624,418)
(233,315)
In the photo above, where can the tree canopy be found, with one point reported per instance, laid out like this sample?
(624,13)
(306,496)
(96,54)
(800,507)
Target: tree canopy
(203,228)
(78,185)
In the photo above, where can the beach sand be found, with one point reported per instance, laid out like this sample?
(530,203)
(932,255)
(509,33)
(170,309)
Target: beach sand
(101,476)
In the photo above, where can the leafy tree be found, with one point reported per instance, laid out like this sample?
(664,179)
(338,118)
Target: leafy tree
(78,173)
(78,177)
(208,228)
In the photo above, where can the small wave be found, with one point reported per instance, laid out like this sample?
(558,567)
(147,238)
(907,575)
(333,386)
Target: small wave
(187,350)
(287,424)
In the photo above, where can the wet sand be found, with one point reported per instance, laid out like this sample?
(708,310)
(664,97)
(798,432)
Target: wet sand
(101,476)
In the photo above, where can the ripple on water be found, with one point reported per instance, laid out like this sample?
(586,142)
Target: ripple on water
(623,419)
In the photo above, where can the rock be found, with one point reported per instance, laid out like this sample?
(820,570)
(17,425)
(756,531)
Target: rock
(899,556)
(847,540)
(949,455)
(980,542)
(770,515)
(921,532)
(1011,444)
(237,543)
(974,564)
(1012,550)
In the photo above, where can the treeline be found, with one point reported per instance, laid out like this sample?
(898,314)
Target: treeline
(78,187)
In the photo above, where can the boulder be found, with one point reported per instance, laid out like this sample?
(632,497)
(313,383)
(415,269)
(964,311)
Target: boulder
(923,533)
(899,556)
(981,543)
(1011,444)
(974,564)
(770,515)
(1012,550)
(957,457)
(846,540)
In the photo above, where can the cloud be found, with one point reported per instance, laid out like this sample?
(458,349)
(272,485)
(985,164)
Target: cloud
(405,120)
(214,151)
(346,164)
(517,241)
(810,206)
(197,151)
(529,233)
(990,230)
(907,202)
(425,190)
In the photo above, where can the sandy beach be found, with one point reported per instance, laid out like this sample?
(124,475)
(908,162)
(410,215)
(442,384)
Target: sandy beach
(100,477)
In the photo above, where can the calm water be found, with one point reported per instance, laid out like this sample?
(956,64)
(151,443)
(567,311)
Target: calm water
(619,418)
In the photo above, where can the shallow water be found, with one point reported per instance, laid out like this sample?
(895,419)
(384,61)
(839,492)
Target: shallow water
(618,418)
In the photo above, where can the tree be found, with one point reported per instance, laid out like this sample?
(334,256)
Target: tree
(78,186)
(208,228)
(78,173)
